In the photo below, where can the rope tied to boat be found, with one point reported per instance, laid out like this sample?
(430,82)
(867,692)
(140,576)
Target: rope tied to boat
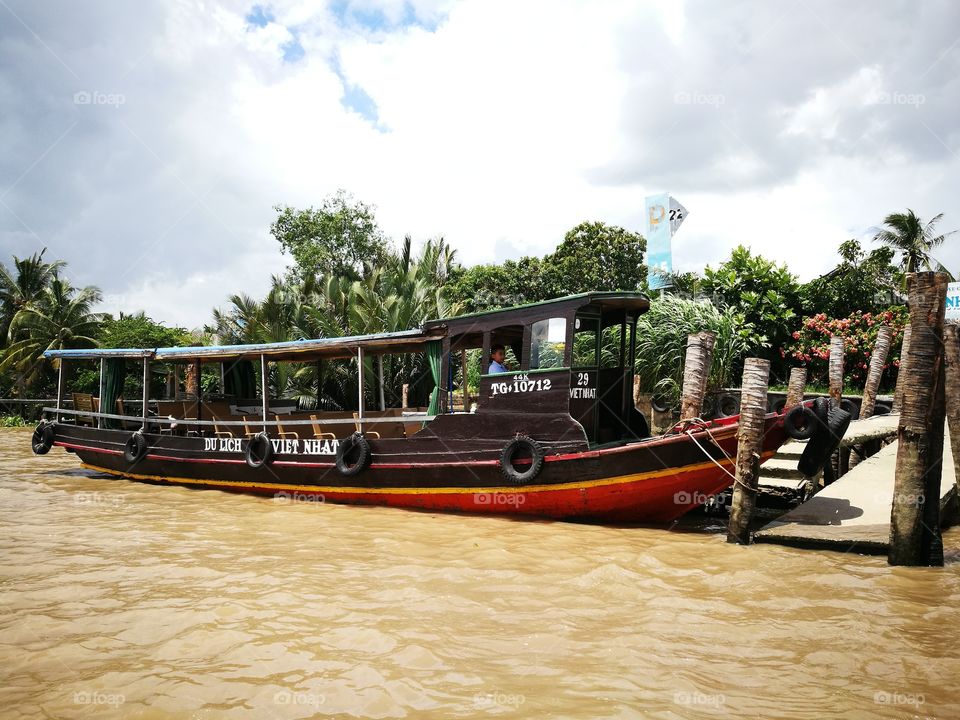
(689,433)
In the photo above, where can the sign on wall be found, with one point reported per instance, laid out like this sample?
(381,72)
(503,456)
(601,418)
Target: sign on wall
(953,301)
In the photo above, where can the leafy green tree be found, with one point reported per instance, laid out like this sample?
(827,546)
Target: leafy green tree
(139,331)
(907,234)
(488,287)
(596,256)
(861,282)
(592,256)
(339,238)
(766,294)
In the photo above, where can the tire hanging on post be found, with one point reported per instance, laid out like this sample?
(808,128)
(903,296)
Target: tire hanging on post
(42,439)
(353,455)
(135,449)
(259,451)
(507,467)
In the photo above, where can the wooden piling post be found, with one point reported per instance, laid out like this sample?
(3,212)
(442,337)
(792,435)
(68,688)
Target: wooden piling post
(902,370)
(951,344)
(915,510)
(795,387)
(753,408)
(708,340)
(696,370)
(836,370)
(877,360)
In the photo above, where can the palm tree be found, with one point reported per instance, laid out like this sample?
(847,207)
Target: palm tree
(26,283)
(399,295)
(907,234)
(59,318)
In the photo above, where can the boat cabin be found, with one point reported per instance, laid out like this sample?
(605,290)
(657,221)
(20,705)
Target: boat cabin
(570,355)
(571,358)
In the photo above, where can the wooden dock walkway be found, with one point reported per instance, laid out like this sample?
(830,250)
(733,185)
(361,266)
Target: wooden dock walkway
(853,513)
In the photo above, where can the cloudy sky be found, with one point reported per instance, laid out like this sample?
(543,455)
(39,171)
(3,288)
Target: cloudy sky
(146,142)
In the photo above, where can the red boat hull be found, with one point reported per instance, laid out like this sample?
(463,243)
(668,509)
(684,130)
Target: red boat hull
(654,481)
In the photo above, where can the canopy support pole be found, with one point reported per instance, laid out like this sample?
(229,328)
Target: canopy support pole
(263,390)
(60,387)
(197,368)
(103,362)
(383,401)
(360,389)
(146,391)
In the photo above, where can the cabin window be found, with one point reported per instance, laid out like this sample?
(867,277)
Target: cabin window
(610,346)
(585,332)
(547,342)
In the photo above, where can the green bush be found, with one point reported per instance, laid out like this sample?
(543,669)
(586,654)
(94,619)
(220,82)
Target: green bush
(10,421)
(662,340)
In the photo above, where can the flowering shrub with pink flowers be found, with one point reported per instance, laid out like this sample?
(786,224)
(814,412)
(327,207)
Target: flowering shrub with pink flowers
(811,345)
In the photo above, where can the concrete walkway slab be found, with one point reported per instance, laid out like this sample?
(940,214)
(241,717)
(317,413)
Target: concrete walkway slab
(853,513)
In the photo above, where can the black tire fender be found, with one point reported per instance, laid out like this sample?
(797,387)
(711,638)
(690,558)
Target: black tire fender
(851,407)
(42,439)
(135,448)
(821,408)
(800,422)
(259,451)
(356,443)
(728,404)
(660,403)
(507,467)
(823,443)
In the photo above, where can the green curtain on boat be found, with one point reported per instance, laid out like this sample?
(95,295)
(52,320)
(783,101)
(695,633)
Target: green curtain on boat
(434,352)
(114,374)
(240,379)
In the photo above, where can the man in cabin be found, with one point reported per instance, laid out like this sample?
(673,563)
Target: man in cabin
(497,359)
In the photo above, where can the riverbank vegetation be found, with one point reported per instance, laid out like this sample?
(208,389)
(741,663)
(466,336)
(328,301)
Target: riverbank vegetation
(348,278)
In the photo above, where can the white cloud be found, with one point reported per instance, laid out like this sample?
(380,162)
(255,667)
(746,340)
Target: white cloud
(498,124)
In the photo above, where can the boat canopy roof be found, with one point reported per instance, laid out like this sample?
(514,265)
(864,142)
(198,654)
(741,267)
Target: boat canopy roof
(600,301)
(296,350)
(376,344)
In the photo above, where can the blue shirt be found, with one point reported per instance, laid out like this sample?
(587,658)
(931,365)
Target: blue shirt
(496,367)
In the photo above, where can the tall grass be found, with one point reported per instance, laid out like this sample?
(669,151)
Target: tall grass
(662,339)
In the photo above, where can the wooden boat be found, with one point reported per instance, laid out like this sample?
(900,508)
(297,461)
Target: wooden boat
(557,437)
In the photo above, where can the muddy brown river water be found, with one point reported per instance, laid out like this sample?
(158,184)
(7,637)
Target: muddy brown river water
(121,599)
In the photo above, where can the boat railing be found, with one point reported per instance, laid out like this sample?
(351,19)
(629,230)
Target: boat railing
(252,420)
